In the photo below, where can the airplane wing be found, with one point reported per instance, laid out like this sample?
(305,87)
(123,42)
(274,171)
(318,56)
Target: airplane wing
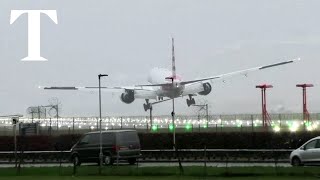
(149,87)
(93,88)
(241,72)
(221,76)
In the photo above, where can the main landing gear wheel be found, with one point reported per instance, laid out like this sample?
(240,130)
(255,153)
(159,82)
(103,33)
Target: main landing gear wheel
(190,101)
(147,105)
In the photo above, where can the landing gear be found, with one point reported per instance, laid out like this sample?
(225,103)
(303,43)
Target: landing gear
(190,101)
(147,105)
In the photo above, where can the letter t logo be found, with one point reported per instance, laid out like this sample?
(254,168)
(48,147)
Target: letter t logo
(33,30)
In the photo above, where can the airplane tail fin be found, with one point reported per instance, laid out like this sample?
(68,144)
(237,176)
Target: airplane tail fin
(173,61)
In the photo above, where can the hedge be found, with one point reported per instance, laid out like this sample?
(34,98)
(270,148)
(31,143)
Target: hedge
(231,140)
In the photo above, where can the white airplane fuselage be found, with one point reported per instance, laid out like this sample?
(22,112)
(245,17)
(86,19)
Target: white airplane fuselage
(163,76)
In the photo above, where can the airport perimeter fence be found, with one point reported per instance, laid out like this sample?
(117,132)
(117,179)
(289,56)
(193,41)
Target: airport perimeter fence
(163,124)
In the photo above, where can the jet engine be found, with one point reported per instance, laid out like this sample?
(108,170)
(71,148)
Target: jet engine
(206,89)
(128,96)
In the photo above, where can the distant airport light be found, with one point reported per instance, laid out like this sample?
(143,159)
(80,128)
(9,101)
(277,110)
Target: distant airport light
(293,127)
(276,129)
(309,128)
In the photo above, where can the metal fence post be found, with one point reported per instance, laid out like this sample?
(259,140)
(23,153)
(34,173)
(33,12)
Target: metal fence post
(216,128)
(73,125)
(280,120)
(205,160)
(252,128)
(121,122)
(50,127)
(97,123)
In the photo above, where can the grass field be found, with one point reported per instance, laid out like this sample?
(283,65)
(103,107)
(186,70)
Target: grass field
(163,173)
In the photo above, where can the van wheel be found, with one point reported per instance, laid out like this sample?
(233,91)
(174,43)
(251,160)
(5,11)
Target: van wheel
(296,162)
(76,160)
(132,161)
(107,160)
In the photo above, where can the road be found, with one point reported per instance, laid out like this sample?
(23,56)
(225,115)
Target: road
(153,164)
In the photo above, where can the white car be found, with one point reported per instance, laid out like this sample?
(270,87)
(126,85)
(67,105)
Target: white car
(308,153)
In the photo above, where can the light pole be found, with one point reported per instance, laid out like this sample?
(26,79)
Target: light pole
(151,123)
(14,122)
(173,123)
(173,116)
(100,137)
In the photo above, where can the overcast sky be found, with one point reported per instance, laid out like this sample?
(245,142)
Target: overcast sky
(126,38)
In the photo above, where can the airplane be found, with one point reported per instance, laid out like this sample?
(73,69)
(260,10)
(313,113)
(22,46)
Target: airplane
(169,85)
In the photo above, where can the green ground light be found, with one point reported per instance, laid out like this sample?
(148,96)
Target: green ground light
(154,128)
(171,127)
(188,127)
